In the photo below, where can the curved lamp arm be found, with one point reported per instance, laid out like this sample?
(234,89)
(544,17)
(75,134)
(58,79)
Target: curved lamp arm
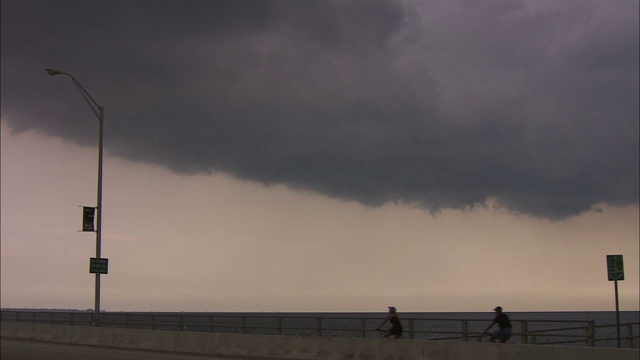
(92,103)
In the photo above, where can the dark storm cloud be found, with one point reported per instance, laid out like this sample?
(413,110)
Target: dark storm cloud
(439,104)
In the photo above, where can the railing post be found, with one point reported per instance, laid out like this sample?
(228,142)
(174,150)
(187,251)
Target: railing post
(363,327)
(319,326)
(210,323)
(630,335)
(465,330)
(411,328)
(126,320)
(153,322)
(590,333)
(524,329)
(243,324)
(279,325)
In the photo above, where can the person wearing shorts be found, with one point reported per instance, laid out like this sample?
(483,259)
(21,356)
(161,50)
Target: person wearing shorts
(504,325)
(396,326)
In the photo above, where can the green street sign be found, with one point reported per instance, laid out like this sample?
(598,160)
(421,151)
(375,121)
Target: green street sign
(615,277)
(615,267)
(99,266)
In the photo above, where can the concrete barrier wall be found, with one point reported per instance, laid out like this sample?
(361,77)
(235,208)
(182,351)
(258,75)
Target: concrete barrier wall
(302,348)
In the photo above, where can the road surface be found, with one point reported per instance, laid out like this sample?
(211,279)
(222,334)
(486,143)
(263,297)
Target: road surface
(31,350)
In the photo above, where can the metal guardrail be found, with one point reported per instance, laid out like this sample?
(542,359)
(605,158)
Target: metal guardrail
(542,332)
(630,339)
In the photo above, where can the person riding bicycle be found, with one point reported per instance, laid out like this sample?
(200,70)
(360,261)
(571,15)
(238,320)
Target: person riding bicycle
(396,326)
(504,333)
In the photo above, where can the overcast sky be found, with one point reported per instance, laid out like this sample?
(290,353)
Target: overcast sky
(322,155)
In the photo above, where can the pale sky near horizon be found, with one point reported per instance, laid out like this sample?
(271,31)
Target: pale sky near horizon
(211,243)
(322,155)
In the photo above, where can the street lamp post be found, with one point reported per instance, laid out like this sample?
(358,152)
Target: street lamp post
(99,112)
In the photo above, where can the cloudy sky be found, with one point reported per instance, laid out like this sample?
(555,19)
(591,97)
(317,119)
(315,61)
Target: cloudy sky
(322,155)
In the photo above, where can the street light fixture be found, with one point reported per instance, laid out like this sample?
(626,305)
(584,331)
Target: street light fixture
(99,112)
